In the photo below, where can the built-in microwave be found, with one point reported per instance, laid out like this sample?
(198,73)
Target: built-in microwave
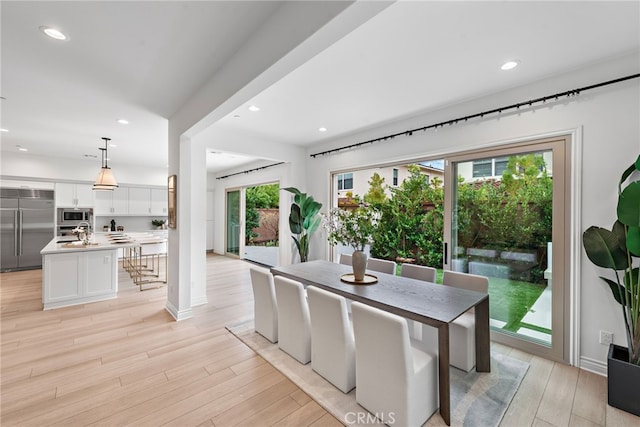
(70,216)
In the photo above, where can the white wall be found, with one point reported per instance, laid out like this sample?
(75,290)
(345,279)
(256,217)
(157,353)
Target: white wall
(606,119)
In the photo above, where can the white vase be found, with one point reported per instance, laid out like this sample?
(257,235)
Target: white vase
(359,264)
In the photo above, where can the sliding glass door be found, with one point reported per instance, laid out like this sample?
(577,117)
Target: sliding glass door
(234,224)
(505,211)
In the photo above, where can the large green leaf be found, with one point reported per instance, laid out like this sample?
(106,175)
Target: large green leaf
(633,240)
(603,249)
(314,224)
(616,290)
(293,190)
(634,167)
(295,220)
(620,230)
(629,205)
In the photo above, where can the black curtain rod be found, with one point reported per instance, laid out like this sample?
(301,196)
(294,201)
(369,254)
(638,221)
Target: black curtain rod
(249,170)
(568,93)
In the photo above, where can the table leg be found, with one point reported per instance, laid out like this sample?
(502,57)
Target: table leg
(483,345)
(443,373)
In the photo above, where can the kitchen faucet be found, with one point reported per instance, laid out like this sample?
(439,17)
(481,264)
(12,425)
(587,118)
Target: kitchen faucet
(83,234)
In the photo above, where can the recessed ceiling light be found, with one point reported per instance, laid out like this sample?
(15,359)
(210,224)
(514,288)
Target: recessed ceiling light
(509,65)
(254,108)
(123,121)
(21,148)
(113,145)
(53,33)
(322,129)
(4,130)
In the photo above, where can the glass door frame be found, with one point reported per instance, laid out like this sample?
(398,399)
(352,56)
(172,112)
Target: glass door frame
(561,236)
(241,220)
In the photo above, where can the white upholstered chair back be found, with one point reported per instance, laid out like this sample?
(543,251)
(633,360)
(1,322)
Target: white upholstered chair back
(294,325)
(332,345)
(381,265)
(471,282)
(418,272)
(392,377)
(265,308)
(345,259)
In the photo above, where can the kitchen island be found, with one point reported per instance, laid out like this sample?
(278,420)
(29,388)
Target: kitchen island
(73,273)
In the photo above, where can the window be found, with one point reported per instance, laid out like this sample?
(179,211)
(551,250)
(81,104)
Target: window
(395,177)
(345,181)
(489,167)
(500,165)
(482,168)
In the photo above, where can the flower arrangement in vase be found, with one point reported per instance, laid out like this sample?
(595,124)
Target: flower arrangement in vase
(353,227)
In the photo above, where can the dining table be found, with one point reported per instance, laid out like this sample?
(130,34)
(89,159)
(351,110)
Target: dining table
(428,303)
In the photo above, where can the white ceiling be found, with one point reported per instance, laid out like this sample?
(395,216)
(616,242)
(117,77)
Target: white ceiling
(142,60)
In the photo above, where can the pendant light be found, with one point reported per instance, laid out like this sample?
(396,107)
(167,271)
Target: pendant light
(105,180)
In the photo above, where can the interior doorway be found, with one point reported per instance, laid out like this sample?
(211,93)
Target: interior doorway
(252,223)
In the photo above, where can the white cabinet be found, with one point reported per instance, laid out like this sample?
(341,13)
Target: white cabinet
(114,202)
(159,201)
(139,201)
(79,277)
(131,201)
(73,195)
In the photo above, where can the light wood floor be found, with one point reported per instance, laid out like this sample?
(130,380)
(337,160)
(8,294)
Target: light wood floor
(126,362)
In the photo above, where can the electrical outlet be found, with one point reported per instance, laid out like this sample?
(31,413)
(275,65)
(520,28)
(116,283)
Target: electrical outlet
(606,337)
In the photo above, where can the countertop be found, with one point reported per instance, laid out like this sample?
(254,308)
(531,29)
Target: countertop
(102,241)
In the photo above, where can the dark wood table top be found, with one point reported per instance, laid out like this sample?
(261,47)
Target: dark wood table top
(425,302)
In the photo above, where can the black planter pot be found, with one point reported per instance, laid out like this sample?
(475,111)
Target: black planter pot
(623,380)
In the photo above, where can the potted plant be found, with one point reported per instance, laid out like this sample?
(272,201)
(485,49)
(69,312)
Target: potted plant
(159,223)
(618,249)
(304,219)
(353,227)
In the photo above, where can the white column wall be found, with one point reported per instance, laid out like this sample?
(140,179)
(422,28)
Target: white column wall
(607,123)
(269,55)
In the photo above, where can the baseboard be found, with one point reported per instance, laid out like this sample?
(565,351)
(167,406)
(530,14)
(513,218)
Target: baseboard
(199,301)
(593,365)
(178,315)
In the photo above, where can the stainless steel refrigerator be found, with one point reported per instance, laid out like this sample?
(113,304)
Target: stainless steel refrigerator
(26,226)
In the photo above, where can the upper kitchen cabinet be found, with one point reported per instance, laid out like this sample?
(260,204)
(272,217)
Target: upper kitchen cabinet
(159,201)
(73,195)
(147,201)
(114,202)
(139,201)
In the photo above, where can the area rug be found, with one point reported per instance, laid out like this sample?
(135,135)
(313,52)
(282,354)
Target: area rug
(477,399)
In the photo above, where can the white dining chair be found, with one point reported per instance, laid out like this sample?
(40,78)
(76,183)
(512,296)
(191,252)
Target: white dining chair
(462,331)
(345,259)
(332,345)
(381,265)
(394,379)
(265,308)
(417,272)
(294,325)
